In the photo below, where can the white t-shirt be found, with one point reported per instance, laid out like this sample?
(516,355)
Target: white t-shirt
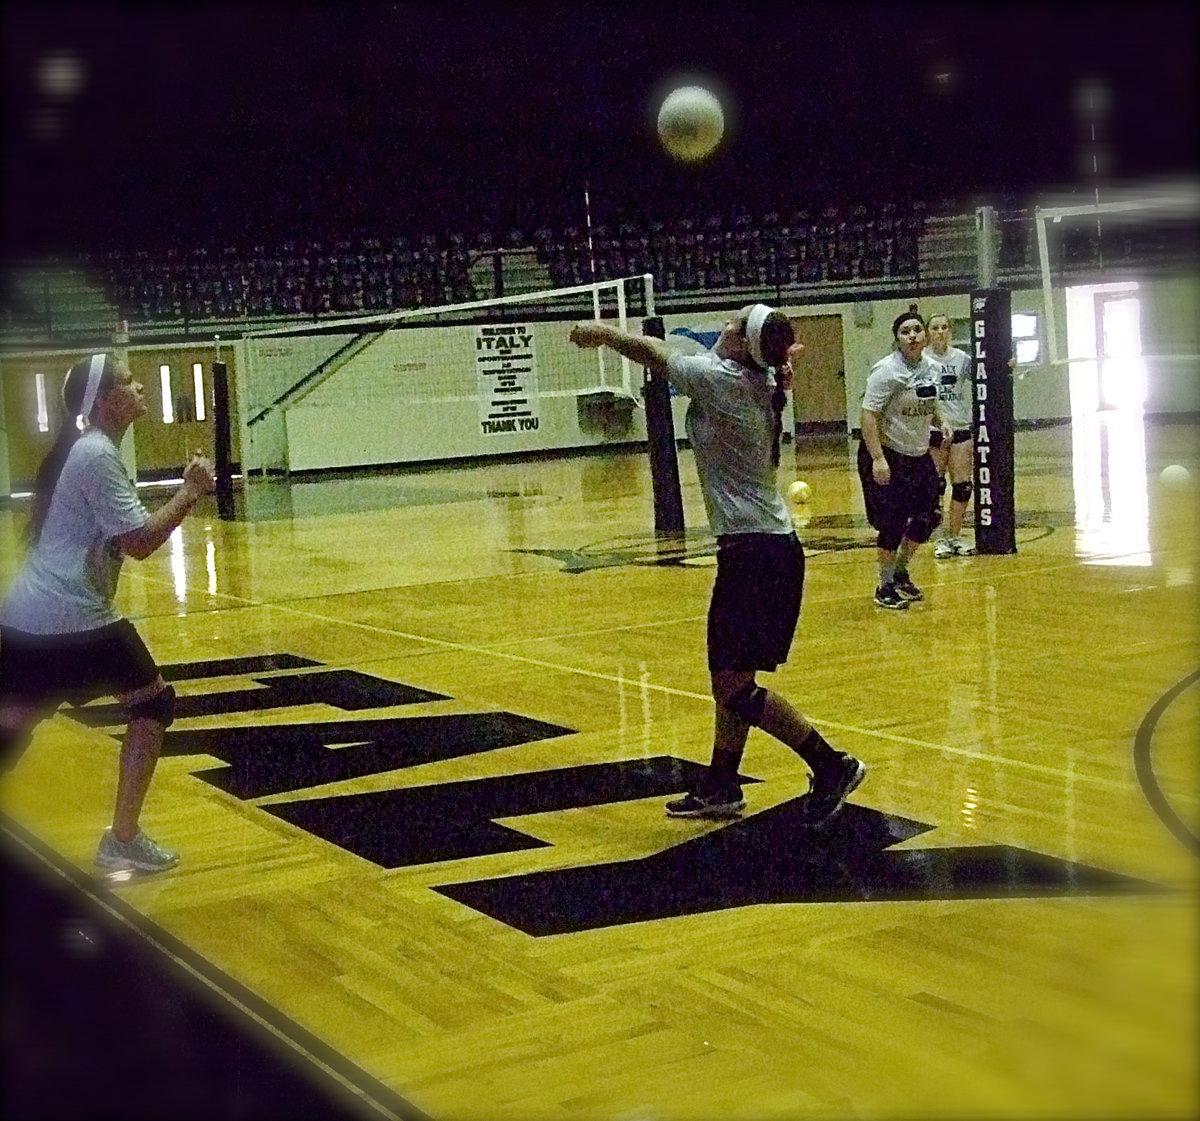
(956,385)
(730,423)
(68,581)
(905,397)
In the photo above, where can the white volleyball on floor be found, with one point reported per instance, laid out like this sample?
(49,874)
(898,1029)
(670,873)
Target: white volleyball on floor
(690,123)
(1175,477)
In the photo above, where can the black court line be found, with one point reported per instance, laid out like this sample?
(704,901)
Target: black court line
(104,1017)
(1144,765)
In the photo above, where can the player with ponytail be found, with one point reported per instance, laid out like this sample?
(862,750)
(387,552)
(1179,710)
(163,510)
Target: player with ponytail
(954,456)
(75,385)
(61,639)
(737,395)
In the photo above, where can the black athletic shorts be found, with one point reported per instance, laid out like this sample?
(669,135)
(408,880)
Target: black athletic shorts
(755,600)
(960,436)
(48,669)
(912,491)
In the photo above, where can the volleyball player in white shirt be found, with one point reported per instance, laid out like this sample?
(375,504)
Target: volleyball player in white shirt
(61,639)
(737,393)
(956,399)
(899,480)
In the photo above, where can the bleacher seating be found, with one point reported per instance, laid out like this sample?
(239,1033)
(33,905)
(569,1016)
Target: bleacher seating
(857,248)
(686,254)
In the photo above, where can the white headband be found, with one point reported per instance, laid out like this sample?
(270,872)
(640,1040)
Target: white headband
(95,369)
(754,322)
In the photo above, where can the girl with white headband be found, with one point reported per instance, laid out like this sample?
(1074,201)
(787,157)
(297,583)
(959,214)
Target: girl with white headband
(734,422)
(61,639)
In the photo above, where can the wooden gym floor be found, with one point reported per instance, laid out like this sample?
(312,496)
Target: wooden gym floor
(428,720)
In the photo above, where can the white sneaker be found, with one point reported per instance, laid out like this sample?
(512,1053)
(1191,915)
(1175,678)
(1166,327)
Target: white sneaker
(141,854)
(944,548)
(963,548)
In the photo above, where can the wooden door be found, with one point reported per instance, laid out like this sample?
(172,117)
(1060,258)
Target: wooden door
(819,394)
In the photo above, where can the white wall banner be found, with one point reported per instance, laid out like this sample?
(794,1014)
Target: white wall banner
(507,370)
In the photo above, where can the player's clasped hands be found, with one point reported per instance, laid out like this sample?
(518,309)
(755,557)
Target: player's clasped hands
(199,475)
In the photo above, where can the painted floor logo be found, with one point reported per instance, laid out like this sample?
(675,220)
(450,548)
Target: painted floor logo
(820,533)
(768,857)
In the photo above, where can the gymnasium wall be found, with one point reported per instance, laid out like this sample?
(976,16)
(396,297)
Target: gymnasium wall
(426,394)
(157,447)
(1170,327)
(1039,393)
(415,396)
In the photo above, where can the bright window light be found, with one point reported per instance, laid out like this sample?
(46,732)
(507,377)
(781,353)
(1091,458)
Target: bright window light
(1024,326)
(43,415)
(198,383)
(168,407)
(1025,335)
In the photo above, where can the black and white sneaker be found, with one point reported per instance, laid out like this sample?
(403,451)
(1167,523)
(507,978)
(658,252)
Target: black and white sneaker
(831,787)
(904,585)
(887,596)
(720,803)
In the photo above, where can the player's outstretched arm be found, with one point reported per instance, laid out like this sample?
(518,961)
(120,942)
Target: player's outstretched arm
(645,351)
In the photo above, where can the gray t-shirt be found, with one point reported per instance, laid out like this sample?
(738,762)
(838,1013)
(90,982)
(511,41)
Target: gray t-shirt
(730,423)
(905,397)
(68,581)
(956,385)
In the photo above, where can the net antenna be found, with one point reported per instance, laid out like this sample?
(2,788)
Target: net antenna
(286,364)
(1117,237)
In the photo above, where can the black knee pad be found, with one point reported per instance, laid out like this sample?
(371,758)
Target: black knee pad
(889,539)
(961,492)
(748,703)
(921,527)
(941,488)
(160,707)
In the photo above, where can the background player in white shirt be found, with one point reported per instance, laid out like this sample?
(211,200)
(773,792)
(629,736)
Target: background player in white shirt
(61,638)
(898,478)
(956,456)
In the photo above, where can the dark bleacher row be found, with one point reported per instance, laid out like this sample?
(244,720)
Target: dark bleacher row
(293,279)
(689,253)
(738,252)
(1152,242)
(375,275)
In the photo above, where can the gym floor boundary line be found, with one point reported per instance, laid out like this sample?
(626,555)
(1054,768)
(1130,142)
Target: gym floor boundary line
(1144,765)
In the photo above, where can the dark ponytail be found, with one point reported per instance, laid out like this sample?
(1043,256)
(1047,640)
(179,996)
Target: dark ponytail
(776,335)
(778,400)
(73,390)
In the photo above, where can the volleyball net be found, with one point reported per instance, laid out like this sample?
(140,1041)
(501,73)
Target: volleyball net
(431,383)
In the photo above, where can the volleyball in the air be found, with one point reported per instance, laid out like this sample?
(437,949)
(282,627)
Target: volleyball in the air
(690,123)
